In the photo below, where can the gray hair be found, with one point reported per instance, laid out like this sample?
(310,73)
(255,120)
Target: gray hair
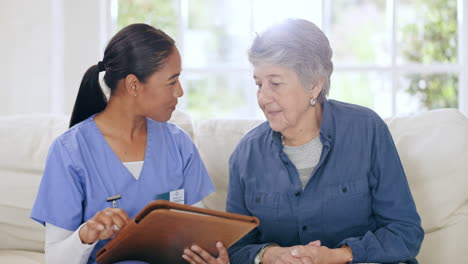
(299,45)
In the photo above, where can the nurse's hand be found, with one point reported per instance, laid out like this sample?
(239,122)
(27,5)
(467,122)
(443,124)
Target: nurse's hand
(103,225)
(197,255)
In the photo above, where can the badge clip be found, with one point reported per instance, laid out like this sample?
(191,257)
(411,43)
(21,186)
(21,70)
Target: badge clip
(114,199)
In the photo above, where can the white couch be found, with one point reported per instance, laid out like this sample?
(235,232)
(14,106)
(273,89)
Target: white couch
(433,147)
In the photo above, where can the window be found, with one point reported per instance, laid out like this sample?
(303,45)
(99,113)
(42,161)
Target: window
(394,56)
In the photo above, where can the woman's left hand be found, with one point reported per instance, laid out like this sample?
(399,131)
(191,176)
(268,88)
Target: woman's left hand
(321,254)
(197,255)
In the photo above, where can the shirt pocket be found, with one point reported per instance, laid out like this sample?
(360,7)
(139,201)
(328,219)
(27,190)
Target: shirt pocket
(347,207)
(263,205)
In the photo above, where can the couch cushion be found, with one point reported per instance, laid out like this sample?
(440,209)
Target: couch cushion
(25,140)
(17,193)
(216,140)
(184,121)
(448,244)
(433,148)
(21,257)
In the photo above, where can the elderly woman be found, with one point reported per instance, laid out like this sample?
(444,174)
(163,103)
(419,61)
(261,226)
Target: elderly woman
(323,176)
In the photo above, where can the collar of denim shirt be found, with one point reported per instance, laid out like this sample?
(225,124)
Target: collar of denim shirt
(327,128)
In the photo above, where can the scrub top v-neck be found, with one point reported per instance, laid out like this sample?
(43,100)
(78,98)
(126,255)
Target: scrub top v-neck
(107,148)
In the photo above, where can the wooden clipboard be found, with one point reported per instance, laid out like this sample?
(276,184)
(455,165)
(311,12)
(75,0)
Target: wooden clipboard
(162,230)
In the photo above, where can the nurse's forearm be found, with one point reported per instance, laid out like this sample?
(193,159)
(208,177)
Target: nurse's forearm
(64,246)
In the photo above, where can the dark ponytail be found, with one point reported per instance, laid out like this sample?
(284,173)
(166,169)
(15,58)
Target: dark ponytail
(137,49)
(90,99)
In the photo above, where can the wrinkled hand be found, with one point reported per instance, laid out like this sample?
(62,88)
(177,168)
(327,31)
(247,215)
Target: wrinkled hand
(103,225)
(197,255)
(282,255)
(320,254)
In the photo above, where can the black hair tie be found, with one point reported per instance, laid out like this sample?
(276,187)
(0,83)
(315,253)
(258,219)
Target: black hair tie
(100,66)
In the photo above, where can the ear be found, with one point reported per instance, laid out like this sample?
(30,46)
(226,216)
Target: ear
(132,85)
(317,88)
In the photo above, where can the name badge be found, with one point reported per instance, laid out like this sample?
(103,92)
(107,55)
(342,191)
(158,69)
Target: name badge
(177,196)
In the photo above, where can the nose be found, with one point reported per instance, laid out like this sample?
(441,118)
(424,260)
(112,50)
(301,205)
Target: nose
(264,95)
(179,92)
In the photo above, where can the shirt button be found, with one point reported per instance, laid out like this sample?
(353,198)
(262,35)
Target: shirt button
(304,228)
(297,194)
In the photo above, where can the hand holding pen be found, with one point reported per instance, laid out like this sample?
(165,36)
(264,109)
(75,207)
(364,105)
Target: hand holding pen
(103,225)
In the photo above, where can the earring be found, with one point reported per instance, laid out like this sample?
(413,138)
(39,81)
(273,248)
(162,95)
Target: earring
(313,101)
(134,94)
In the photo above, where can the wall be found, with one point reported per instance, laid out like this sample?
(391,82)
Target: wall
(45,50)
(25,51)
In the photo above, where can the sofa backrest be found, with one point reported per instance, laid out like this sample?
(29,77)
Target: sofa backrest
(433,147)
(216,140)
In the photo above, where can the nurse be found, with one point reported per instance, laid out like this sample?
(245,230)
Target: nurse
(120,154)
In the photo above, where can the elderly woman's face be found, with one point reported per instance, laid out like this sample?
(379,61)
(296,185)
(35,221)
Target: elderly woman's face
(281,96)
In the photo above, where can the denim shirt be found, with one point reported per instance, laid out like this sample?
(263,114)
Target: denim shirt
(358,194)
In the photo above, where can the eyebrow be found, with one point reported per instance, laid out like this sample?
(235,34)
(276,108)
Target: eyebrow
(270,75)
(174,76)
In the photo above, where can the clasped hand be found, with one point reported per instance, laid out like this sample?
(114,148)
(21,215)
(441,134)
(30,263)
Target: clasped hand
(312,253)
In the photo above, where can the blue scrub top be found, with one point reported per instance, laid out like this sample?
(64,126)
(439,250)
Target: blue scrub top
(82,171)
(358,194)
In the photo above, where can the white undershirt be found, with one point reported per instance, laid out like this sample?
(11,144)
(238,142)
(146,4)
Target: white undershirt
(134,167)
(64,246)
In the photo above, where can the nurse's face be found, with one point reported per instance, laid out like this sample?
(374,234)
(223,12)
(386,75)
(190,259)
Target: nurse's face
(159,94)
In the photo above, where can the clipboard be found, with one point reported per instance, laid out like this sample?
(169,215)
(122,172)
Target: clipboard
(162,230)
